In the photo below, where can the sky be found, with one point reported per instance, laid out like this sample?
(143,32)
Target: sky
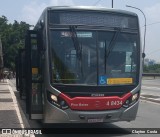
(30,10)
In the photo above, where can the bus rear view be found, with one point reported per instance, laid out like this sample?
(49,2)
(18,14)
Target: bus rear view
(85,67)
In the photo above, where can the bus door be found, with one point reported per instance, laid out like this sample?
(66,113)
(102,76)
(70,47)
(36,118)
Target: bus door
(33,75)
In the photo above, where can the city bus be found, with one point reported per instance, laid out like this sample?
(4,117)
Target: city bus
(81,65)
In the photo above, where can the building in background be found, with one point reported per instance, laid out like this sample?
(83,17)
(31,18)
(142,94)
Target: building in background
(149,62)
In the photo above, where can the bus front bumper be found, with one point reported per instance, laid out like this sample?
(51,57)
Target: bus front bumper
(55,115)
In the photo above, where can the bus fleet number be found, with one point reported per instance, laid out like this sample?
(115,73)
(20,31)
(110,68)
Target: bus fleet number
(114,103)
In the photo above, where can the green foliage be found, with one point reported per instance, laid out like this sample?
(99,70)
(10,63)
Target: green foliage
(152,68)
(12,37)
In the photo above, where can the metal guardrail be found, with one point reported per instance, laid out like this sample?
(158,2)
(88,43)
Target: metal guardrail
(151,75)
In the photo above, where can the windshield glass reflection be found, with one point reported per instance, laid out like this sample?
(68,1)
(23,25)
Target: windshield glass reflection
(94,66)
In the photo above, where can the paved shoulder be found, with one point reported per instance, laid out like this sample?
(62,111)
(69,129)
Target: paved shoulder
(8,113)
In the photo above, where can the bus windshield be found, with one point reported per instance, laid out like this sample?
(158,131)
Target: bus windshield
(94,57)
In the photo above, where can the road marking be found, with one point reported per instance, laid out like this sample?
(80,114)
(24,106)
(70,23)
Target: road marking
(151,98)
(143,100)
(151,87)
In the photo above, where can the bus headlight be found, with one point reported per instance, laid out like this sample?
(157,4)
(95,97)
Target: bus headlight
(57,101)
(131,100)
(54,98)
(134,97)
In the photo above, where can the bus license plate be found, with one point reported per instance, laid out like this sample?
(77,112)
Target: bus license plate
(95,120)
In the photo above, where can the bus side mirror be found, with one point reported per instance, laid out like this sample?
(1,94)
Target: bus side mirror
(143,55)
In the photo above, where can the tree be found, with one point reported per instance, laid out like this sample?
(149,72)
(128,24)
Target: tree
(13,37)
(152,68)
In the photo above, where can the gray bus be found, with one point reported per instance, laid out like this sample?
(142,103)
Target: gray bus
(81,65)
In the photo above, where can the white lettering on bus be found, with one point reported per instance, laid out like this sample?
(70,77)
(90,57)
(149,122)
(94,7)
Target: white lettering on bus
(116,103)
(79,105)
(113,103)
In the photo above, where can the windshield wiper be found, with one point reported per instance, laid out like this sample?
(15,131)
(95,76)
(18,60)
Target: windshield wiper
(76,42)
(77,47)
(111,45)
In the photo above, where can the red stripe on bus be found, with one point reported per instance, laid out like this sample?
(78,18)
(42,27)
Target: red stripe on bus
(95,103)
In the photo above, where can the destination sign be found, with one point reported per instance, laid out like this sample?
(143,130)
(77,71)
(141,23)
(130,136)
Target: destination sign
(93,19)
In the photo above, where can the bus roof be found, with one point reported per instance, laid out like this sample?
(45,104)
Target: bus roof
(91,8)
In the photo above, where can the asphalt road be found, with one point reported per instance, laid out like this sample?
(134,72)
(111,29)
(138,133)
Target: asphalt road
(151,86)
(148,117)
